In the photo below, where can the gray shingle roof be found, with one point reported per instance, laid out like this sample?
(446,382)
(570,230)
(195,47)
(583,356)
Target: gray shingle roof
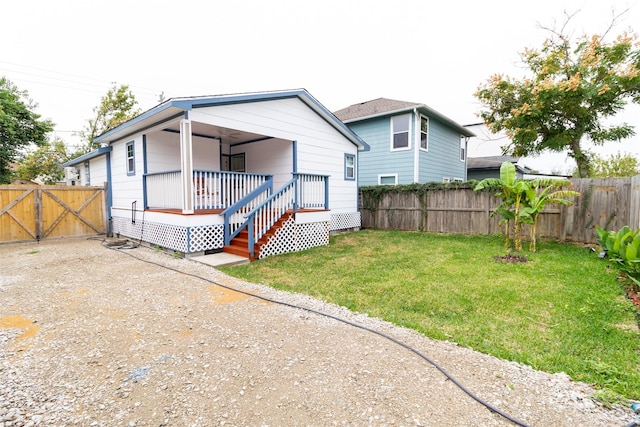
(373,107)
(384,106)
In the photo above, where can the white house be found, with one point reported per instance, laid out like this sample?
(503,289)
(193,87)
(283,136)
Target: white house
(254,174)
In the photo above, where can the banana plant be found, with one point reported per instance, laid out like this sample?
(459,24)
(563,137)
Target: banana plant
(538,194)
(523,200)
(507,192)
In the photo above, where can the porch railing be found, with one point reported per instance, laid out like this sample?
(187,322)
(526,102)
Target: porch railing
(303,191)
(212,189)
(234,215)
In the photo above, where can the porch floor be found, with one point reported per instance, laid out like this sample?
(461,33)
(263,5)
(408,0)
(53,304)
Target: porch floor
(218,211)
(179,211)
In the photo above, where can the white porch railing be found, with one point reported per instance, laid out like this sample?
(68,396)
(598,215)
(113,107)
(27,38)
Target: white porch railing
(212,189)
(303,191)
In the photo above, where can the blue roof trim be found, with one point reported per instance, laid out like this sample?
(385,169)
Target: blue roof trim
(99,152)
(187,104)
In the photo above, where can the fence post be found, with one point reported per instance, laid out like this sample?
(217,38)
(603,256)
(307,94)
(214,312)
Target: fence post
(37,207)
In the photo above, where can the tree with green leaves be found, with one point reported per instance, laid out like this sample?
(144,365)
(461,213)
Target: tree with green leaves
(43,163)
(116,107)
(571,91)
(20,126)
(615,166)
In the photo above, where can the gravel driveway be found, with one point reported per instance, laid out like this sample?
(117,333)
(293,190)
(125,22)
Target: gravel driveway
(92,336)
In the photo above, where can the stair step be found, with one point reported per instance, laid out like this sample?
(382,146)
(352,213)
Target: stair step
(239,244)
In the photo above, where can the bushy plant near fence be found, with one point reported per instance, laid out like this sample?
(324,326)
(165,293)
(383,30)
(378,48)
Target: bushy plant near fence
(623,249)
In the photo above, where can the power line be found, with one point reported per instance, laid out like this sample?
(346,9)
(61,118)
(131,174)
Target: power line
(89,81)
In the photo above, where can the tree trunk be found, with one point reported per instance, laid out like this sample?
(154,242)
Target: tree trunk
(581,158)
(532,244)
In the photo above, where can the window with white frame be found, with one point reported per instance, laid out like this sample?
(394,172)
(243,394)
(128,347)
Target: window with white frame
(446,179)
(390,179)
(87,174)
(400,126)
(349,167)
(131,158)
(463,148)
(424,133)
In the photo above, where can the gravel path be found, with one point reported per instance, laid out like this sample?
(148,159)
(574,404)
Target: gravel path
(91,336)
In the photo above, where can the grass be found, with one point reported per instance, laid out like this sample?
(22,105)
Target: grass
(561,311)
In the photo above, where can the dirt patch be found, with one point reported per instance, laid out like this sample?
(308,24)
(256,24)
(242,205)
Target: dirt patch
(98,337)
(510,258)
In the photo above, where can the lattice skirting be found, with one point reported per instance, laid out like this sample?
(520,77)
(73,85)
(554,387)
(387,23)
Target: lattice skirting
(177,238)
(345,221)
(292,237)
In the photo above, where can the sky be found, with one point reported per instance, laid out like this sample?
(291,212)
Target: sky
(67,53)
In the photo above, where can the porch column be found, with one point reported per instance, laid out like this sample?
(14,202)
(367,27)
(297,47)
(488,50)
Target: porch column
(186,166)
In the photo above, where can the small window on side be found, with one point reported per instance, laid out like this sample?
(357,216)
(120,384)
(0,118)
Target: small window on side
(424,133)
(131,158)
(391,179)
(349,167)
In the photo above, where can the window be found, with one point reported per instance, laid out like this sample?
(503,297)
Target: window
(131,158)
(463,148)
(400,132)
(87,175)
(446,179)
(349,167)
(238,163)
(424,133)
(391,179)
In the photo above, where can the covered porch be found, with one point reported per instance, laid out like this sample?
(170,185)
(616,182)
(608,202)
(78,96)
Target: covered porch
(239,200)
(201,174)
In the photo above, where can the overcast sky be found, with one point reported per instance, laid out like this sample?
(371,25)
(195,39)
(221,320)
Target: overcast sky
(66,53)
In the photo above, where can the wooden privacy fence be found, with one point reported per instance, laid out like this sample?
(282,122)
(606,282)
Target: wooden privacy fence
(610,203)
(34,212)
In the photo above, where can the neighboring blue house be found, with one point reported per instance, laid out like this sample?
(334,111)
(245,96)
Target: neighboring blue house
(410,143)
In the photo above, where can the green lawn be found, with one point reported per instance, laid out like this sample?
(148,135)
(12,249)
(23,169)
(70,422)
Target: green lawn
(561,311)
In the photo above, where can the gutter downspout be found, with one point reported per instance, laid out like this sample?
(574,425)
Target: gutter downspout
(416,147)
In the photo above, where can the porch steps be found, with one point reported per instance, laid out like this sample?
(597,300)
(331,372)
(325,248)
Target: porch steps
(240,244)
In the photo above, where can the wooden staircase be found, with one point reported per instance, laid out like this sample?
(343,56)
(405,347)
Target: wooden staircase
(239,245)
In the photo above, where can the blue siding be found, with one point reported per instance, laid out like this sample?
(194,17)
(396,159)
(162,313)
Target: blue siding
(380,160)
(440,161)
(443,158)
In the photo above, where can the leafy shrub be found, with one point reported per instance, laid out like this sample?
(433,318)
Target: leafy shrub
(622,248)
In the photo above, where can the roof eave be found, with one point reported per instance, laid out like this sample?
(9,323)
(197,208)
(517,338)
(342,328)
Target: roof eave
(93,154)
(422,108)
(185,104)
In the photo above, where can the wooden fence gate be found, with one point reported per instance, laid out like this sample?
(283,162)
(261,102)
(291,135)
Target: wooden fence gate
(34,212)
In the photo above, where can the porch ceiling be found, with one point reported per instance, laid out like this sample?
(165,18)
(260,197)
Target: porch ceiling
(227,135)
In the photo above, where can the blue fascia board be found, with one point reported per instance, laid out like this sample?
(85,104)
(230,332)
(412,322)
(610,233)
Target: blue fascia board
(187,104)
(95,153)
